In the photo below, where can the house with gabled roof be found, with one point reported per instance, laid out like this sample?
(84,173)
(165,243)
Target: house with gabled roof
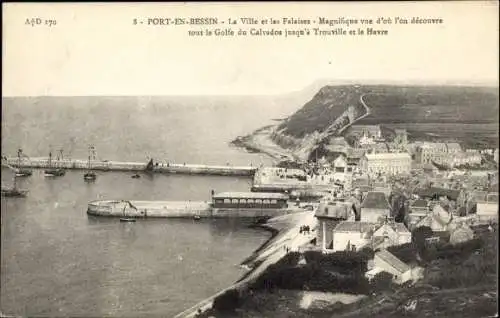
(487,211)
(384,261)
(438,221)
(329,215)
(419,206)
(390,234)
(375,207)
(460,233)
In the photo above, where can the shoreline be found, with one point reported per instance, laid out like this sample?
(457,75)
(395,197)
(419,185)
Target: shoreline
(265,255)
(259,141)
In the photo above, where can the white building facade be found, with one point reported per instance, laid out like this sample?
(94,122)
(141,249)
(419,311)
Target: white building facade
(386,163)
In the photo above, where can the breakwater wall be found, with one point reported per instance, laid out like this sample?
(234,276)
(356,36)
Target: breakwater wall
(177,209)
(43,163)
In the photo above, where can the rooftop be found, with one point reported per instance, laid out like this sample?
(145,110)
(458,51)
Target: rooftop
(453,146)
(250,195)
(439,192)
(492,198)
(388,155)
(353,226)
(478,196)
(434,145)
(392,260)
(420,203)
(397,227)
(334,210)
(375,200)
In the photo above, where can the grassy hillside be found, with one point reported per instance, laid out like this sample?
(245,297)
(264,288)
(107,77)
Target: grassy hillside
(427,112)
(322,110)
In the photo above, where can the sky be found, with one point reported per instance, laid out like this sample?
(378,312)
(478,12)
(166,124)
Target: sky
(95,49)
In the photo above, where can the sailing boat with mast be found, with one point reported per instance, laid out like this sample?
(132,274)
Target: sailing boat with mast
(20,171)
(14,191)
(55,171)
(90,175)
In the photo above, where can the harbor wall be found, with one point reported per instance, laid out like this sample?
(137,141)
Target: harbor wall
(176,209)
(148,209)
(43,163)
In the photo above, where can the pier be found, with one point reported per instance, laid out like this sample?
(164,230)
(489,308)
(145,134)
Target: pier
(79,164)
(223,205)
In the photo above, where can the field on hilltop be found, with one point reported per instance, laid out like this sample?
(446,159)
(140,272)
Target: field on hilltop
(433,104)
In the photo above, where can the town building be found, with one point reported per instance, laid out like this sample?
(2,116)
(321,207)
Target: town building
(382,186)
(386,163)
(438,220)
(375,207)
(487,211)
(341,169)
(352,236)
(435,193)
(384,261)
(419,206)
(250,200)
(354,156)
(419,209)
(390,234)
(463,158)
(472,199)
(461,233)
(430,168)
(432,152)
(370,131)
(373,148)
(366,140)
(329,215)
(453,147)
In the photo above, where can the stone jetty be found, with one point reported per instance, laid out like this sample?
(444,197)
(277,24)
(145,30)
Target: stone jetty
(43,163)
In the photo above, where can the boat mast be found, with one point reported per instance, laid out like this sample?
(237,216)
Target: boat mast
(19,151)
(15,183)
(60,157)
(91,156)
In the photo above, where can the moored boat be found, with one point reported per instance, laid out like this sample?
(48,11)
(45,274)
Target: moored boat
(54,171)
(90,175)
(22,172)
(127,220)
(14,191)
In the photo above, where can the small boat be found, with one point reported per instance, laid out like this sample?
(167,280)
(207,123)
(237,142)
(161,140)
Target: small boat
(54,172)
(136,176)
(127,220)
(14,191)
(90,175)
(20,171)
